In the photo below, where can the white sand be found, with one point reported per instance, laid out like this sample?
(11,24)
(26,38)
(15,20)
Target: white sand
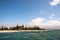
(4,31)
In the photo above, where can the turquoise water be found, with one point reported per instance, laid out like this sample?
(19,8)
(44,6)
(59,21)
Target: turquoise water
(43,35)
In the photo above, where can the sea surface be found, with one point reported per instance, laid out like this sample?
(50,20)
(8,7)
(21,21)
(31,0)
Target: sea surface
(40,35)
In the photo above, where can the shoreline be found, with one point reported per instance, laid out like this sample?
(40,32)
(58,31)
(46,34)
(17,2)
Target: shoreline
(7,31)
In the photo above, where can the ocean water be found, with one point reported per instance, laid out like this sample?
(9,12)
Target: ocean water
(41,35)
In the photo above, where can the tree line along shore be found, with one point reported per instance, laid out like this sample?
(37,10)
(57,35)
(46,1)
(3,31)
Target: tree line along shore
(17,27)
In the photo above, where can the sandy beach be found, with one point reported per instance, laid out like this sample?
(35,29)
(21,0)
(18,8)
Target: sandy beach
(4,31)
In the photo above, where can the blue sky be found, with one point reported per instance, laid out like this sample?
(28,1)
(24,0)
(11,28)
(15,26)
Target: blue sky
(23,11)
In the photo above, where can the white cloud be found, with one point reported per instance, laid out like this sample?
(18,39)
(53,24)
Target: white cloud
(52,16)
(37,21)
(44,23)
(54,2)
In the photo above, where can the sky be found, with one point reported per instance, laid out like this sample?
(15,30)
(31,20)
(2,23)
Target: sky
(31,12)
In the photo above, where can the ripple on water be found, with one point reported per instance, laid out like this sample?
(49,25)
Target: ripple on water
(50,35)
